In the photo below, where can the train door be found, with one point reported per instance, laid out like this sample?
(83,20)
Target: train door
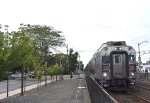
(119,65)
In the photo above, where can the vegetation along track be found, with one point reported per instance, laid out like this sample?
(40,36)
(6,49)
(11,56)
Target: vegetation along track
(127,97)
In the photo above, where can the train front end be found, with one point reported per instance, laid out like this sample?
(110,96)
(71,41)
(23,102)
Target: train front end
(119,66)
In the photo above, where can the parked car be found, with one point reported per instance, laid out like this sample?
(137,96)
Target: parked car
(32,75)
(17,76)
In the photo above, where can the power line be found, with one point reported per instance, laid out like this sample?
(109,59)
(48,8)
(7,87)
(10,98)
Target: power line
(145,51)
(146,58)
(85,50)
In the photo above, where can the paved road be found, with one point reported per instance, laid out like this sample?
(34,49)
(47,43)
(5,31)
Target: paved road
(66,91)
(14,84)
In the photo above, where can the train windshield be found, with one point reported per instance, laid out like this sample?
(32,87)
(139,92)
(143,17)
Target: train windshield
(105,59)
(131,58)
(117,59)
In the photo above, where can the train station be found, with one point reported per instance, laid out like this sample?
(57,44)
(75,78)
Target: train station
(79,89)
(75,51)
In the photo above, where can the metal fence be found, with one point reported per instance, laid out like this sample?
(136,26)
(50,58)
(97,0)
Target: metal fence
(143,76)
(97,93)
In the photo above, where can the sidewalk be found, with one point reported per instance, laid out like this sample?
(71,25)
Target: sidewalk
(66,91)
(18,90)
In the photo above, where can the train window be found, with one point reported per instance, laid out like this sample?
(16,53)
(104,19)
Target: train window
(131,58)
(117,58)
(105,59)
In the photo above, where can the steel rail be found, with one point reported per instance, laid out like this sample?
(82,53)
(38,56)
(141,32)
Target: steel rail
(141,98)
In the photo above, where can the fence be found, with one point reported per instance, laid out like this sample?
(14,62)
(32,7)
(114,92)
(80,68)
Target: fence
(143,76)
(97,93)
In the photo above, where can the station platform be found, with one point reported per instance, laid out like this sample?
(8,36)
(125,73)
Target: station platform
(63,91)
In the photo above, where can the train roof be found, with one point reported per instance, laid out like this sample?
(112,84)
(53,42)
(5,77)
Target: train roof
(110,43)
(113,43)
(116,43)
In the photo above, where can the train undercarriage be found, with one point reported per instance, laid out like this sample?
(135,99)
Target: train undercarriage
(116,84)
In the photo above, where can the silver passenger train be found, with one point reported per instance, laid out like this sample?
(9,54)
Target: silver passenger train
(113,65)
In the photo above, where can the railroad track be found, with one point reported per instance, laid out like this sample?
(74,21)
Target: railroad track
(142,90)
(127,97)
(144,85)
(146,88)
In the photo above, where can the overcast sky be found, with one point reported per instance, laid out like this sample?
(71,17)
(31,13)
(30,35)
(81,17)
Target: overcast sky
(86,24)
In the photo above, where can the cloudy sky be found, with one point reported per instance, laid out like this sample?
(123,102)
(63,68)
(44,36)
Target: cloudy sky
(86,24)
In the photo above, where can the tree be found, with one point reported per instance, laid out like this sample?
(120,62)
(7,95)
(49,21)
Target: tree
(73,62)
(17,49)
(23,46)
(81,65)
(4,52)
(38,71)
(55,70)
(60,59)
(47,38)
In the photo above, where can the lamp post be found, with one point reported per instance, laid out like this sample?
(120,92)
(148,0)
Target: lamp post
(139,58)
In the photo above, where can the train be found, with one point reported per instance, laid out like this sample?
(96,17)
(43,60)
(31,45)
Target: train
(113,65)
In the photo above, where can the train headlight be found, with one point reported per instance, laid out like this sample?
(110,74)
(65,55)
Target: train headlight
(118,48)
(104,74)
(132,74)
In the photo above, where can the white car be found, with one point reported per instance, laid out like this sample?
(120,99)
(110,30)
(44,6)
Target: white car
(17,76)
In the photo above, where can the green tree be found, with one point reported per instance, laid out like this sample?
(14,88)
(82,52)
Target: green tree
(73,62)
(81,65)
(24,51)
(57,70)
(17,49)
(51,72)
(4,52)
(47,38)
(60,59)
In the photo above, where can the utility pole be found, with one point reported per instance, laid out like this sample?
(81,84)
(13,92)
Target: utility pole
(67,59)
(139,58)
(79,63)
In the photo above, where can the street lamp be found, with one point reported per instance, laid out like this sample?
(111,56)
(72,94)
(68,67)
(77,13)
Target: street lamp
(139,58)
